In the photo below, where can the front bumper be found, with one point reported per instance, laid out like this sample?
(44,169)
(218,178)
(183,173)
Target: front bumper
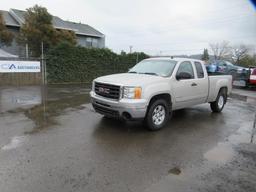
(136,108)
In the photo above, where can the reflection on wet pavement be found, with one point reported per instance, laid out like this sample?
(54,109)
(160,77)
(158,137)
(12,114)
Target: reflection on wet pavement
(15,142)
(41,104)
(44,116)
(61,145)
(220,154)
(22,97)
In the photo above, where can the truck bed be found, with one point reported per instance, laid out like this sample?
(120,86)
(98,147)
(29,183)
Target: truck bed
(217,81)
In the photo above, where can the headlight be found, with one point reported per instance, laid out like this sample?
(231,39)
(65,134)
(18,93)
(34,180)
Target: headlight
(132,92)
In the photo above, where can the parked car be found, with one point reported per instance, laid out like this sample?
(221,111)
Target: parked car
(155,87)
(245,77)
(222,67)
(253,76)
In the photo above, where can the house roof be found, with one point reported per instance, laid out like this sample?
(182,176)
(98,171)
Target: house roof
(17,16)
(9,20)
(6,54)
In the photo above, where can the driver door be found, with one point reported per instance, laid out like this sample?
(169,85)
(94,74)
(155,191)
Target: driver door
(184,89)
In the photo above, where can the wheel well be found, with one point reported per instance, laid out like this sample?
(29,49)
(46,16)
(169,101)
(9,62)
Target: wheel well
(223,88)
(226,91)
(165,96)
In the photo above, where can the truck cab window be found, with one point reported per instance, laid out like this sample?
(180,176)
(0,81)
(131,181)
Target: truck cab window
(186,68)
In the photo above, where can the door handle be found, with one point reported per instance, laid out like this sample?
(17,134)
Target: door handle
(193,84)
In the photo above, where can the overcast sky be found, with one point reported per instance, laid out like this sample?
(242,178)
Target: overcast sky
(166,27)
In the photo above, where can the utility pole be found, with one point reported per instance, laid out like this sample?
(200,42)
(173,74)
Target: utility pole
(26,51)
(130,48)
(43,88)
(43,63)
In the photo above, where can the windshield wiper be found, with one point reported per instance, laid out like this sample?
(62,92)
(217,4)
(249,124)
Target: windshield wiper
(132,72)
(151,74)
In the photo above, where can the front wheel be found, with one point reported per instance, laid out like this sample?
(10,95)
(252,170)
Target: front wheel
(158,115)
(218,105)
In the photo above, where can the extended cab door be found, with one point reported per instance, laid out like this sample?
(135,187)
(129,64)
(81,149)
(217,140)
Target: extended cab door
(201,81)
(184,85)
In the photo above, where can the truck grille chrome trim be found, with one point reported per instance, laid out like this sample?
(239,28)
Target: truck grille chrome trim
(107,90)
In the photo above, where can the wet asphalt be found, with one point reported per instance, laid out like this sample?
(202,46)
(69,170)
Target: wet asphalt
(52,140)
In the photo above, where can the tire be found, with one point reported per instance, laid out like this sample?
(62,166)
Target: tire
(158,115)
(218,105)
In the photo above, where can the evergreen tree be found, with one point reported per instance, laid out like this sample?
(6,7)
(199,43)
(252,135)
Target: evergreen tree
(205,56)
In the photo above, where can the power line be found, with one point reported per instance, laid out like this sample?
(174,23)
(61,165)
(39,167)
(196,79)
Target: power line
(188,26)
(185,43)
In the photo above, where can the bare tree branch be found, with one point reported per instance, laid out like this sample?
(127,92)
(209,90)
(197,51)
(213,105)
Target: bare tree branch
(239,52)
(220,50)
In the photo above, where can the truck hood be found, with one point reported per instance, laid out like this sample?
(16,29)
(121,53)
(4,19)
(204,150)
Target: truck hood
(130,79)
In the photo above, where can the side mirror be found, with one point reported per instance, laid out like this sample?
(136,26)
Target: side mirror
(183,75)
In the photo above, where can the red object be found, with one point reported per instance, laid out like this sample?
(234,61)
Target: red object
(253,76)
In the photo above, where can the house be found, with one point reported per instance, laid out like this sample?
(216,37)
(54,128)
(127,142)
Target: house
(4,54)
(86,35)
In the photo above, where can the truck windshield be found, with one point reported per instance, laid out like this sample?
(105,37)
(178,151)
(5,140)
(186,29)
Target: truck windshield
(162,68)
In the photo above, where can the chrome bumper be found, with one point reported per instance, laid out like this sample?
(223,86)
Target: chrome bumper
(136,108)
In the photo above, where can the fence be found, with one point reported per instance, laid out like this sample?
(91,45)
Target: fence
(72,64)
(21,78)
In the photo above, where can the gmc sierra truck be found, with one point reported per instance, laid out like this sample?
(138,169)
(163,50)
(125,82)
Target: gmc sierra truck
(155,87)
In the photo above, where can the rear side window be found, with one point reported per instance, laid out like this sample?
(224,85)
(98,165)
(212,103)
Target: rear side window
(199,70)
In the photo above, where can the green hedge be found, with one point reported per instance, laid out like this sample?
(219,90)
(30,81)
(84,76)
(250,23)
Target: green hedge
(67,63)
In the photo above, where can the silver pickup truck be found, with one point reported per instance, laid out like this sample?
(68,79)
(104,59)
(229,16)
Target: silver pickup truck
(155,87)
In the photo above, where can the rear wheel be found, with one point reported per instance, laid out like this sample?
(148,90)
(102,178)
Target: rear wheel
(218,105)
(158,115)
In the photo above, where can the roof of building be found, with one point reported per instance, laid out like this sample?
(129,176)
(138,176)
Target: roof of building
(15,17)
(9,20)
(6,54)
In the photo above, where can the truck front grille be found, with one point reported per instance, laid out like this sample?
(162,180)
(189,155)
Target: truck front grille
(107,90)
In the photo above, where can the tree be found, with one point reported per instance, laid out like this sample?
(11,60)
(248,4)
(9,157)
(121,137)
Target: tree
(248,60)
(65,36)
(220,50)
(6,37)
(38,28)
(205,56)
(239,52)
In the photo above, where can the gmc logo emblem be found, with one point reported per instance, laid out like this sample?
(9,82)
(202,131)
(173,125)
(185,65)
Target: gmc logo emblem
(104,90)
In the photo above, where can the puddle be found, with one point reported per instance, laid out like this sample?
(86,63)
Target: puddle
(224,151)
(247,99)
(220,154)
(42,105)
(243,135)
(14,143)
(11,98)
(175,171)
(44,115)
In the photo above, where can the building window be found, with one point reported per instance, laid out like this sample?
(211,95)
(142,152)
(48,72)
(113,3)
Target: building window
(88,42)
(91,42)
(95,42)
